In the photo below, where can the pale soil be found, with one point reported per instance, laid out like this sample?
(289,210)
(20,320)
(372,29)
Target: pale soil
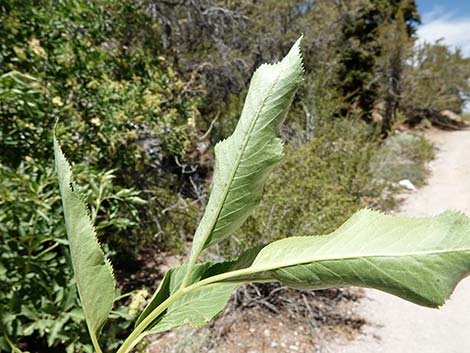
(396,326)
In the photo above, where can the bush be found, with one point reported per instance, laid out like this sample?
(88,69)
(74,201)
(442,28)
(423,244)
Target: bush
(403,156)
(38,298)
(95,68)
(74,62)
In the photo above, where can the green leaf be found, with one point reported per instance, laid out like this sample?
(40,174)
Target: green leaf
(161,294)
(194,308)
(169,284)
(93,272)
(244,160)
(418,259)
(199,306)
(173,278)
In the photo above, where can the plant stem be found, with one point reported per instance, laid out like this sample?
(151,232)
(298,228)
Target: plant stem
(189,269)
(134,338)
(50,248)
(96,345)
(136,335)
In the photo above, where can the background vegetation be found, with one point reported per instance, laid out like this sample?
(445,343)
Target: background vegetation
(141,91)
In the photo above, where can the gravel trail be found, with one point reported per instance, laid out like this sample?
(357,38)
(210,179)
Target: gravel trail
(396,326)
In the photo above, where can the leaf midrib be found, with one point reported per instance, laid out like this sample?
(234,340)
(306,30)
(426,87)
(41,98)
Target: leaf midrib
(223,278)
(234,170)
(346,258)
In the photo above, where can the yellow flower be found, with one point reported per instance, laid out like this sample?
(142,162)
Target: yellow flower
(36,48)
(96,121)
(57,101)
(192,123)
(137,301)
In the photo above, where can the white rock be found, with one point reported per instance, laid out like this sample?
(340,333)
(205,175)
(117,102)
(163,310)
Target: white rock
(407,184)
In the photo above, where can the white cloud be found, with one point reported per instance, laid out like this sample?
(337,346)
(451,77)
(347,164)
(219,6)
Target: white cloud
(454,30)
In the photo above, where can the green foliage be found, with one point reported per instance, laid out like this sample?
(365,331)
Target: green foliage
(209,301)
(359,253)
(418,259)
(120,76)
(73,61)
(403,156)
(95,68)
(38,298)
(397,46)
(37,295)
(405,260)
(224,41)
(92,271)
(361,46)
(437,79)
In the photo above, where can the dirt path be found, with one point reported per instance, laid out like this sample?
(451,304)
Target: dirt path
(397,326)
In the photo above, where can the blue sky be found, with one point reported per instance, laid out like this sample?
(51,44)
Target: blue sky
(449,20)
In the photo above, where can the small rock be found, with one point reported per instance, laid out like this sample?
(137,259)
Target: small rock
(452,116)
(407,184)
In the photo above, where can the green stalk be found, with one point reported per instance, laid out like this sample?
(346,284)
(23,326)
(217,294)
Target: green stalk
(134,338)
(96,345)
(136,335)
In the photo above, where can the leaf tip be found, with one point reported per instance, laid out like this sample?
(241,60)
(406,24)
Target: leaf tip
(296,53)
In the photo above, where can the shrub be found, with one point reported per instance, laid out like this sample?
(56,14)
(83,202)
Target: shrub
(85,65)
(73,62)
(403,156)
(38,298)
